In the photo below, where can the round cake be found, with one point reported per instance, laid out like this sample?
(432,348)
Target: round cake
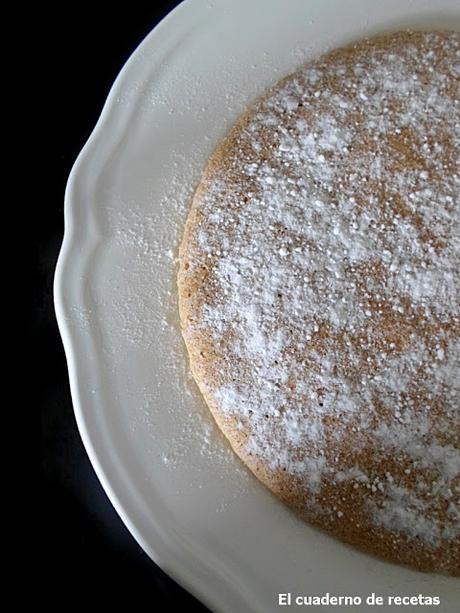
(319,293)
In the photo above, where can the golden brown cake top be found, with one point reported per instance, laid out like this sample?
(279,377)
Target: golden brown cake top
(320,283)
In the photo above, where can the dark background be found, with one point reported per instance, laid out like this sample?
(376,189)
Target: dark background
(87,555)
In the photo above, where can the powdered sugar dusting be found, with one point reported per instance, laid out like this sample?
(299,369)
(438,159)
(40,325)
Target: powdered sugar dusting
(332,244)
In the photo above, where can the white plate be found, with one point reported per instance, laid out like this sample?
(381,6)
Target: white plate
(184,496)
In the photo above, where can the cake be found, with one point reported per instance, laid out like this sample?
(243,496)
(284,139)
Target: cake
(319,293)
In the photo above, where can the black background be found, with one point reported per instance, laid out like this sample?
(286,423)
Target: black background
(87,555)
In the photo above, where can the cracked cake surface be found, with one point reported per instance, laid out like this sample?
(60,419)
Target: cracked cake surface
(319,293)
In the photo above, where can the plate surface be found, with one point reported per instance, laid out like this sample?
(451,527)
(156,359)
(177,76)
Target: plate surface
(165,466)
